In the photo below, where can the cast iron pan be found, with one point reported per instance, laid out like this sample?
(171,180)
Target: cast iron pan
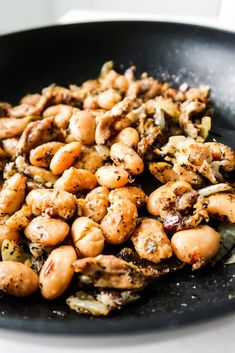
(68,54)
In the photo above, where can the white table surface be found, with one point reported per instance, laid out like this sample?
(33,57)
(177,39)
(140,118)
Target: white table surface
(217,336)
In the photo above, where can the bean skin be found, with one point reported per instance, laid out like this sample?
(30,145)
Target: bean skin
(57,272)
(12,194)
(41,156)
(125,156)
(17,279)
(46,230)
(96,204)
(133,193)
(112,176)
(54,203)
(120,221)
(87,237)
(61,113)
(129,136)
(8,233)
(76,180)
(65,157)
(222,206)
(196,246)
(151,241)
(108,99)
(82,127)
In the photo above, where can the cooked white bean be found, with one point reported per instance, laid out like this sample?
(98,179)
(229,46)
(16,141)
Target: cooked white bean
(133,193)
(46,230)
(20,219)
(41,156)
(89,159)
(96,204)
(65,157)
(82,127)
(61,113)
(120,221)
(11,127)
(129,136)
(196,246)
(90,102)
(76,180)
(103,151)
(54,203)
(38,174)
(160,199)
(57,272)
(87,237)
(8,233)
(222,206)
(17,279)
(112,176)
(12,194)
(108,99)
(125,156)
(121,83)
(10,146)
(151,241)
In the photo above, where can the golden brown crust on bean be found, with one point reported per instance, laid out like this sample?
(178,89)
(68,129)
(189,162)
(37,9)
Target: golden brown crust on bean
(41,156)
(9,233)
(222,206)
(54,203)
(76,180)
(96,204)
(120,221)
(151,242)
(17,279)
(12,194)
(133,193)
(123,155)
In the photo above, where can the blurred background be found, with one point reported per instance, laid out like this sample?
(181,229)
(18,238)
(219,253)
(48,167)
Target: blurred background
(23,14)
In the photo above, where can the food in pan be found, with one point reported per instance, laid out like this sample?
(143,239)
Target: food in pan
(75,216)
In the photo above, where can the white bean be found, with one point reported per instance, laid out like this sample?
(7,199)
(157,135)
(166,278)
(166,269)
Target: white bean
(8,233)
(12,194)
(76,180)
(151,241)
(196,246)
(125,156)
(57,272)
(17,279)
(129,136)
(120,221)
(96,204)
(54,203)
(46,231)
(65,157)
(112,176)
(87,237)
(133,193)
(82,127)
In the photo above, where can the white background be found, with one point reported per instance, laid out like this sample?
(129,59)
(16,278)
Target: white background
(22,14)
(217,336)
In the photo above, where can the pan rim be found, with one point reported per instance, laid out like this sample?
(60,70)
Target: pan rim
(109,22)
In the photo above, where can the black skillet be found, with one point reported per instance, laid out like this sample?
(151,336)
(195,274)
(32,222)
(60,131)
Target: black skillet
(68,54)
